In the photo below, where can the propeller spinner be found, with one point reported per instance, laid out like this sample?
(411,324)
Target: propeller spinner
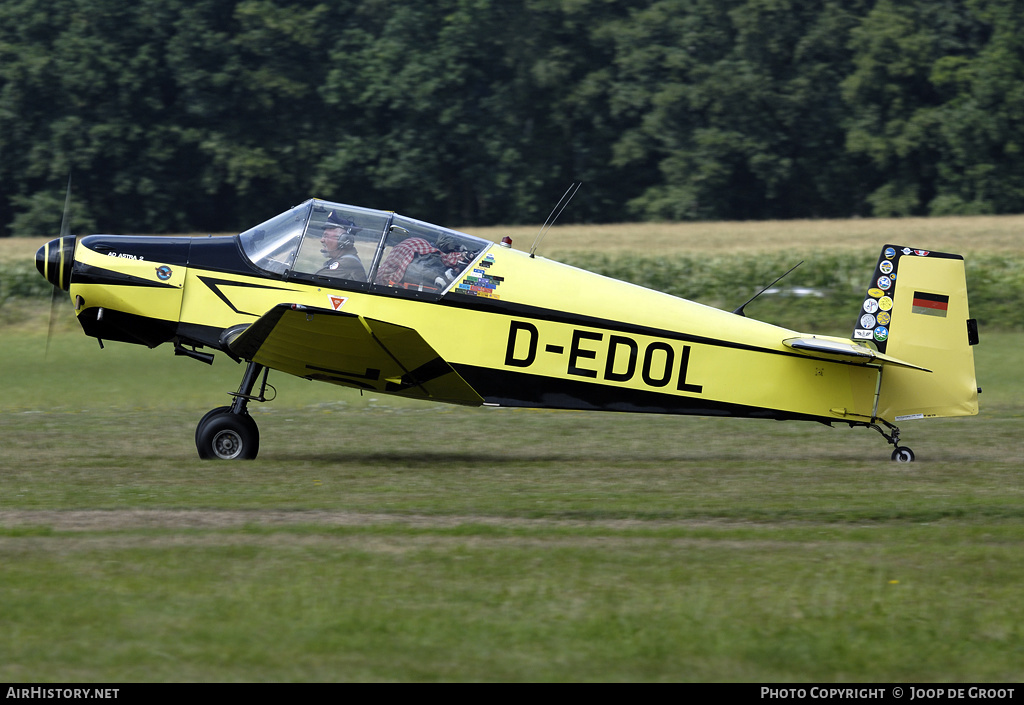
(54,260)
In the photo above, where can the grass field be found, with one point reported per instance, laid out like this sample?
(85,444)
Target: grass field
(382,540)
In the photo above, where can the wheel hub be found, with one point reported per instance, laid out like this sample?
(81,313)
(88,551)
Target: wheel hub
(227,445)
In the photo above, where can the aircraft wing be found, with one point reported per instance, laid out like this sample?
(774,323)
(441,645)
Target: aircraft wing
(845,350)
(353,351)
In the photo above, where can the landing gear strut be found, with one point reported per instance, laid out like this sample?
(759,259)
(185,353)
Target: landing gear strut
(900,454)
(228,432)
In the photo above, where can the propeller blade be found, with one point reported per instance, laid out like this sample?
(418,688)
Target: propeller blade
(65,228)
(54,299)
(65,219)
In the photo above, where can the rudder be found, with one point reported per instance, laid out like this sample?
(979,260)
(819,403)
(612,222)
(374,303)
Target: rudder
(917,310)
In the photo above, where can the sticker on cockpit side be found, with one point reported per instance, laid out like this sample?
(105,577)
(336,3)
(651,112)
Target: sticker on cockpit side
(480,281)
(336,301)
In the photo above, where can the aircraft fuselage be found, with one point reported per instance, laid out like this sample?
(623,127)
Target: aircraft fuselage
(533,332)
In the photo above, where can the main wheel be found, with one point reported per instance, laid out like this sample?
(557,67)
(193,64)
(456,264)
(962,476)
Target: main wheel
(903,455)
(209,415)
(228,436)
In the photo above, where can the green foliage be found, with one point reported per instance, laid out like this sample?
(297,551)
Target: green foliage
(739,107)
(175,115)
(996,287)
(935,105)
(21,280)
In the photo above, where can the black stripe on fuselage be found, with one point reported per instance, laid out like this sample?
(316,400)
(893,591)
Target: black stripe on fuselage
(521,389)
(215,284)
(91,274)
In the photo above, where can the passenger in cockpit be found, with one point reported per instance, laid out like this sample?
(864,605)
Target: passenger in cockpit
(435,266)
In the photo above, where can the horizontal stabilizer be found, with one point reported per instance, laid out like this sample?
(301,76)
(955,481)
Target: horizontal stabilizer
(846,351)
(352,351)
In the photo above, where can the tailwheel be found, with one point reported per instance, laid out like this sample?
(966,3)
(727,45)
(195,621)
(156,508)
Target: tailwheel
(227,436)
(902,454)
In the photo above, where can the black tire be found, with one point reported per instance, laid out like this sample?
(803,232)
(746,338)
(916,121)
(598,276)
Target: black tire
(903,455)
(228,436)
(207,416)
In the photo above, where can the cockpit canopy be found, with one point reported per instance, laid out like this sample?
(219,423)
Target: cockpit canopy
(352,244)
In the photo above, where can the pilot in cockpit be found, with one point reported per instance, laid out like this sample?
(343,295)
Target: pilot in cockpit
(338,244)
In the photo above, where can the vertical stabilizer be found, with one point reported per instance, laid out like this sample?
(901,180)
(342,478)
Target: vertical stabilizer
(916,310)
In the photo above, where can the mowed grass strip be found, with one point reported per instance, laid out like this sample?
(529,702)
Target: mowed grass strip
(515,464)
(507,545)
(765,603)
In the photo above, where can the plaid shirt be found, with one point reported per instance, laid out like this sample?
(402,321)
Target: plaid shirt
(393,268)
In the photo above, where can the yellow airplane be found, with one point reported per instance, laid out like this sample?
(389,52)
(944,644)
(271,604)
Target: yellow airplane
(380,302)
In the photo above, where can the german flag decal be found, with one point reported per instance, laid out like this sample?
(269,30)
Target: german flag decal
(930,304)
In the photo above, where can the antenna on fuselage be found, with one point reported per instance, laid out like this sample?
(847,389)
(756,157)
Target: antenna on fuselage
(739,310)
(563,202)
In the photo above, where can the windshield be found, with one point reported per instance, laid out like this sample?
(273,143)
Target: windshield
(324,239)
(271,245)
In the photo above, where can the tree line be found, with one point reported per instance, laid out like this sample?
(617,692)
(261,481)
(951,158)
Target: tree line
(212,115)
